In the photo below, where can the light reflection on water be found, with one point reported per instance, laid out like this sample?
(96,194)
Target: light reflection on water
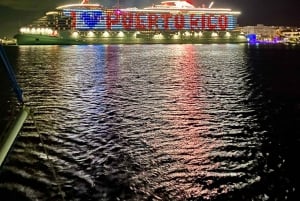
(140,122)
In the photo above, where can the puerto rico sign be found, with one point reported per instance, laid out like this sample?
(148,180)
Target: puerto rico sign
(121,20)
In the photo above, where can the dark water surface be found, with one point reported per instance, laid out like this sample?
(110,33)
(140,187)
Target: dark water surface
(156,122)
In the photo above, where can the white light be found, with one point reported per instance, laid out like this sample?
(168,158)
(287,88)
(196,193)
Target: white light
(91,34)
(136,33)
(214,34)
(158,36)
(49,31)
(121,34)
(187,33)
(176,36)
(227,34)
(23,30)
(75,34)
(105,34)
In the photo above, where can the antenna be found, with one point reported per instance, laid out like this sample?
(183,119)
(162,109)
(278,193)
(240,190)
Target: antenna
(211,4)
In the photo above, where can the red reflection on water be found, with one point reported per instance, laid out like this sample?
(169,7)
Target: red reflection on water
(112,67)
(185,140)
(189,101)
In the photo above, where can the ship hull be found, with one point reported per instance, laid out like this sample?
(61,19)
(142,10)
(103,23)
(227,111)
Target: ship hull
(32,39)
(129,38)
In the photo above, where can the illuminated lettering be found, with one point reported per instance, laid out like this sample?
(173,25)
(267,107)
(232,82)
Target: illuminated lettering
(152,21)
(166,18)
(127,20)
(91,19)
(73,17)
(112,19)
(131,20)
(194,22)
(203,22)
(211,22)
(179,21)
(223,22)
(163,21)
(140,24)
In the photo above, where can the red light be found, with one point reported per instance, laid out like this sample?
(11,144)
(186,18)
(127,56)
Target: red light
(118,12)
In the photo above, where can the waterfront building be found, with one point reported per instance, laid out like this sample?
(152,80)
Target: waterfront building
(262,32)
(290,34)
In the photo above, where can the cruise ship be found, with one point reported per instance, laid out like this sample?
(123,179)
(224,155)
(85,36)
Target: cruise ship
(170,22)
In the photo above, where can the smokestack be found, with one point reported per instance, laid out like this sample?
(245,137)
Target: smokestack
(85,2)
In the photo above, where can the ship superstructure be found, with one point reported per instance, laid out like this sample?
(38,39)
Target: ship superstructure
(168,22)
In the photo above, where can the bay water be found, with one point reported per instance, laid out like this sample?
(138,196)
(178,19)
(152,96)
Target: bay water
(154,122)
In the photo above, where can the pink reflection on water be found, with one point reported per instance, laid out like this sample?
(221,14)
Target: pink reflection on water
(183,144)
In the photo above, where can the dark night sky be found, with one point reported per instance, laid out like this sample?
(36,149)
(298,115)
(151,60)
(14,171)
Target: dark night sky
(15,13)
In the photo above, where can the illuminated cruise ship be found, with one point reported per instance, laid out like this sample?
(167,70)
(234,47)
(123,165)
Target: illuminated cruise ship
(168,22)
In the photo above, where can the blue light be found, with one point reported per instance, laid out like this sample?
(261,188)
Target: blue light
(251,38)
(91,18)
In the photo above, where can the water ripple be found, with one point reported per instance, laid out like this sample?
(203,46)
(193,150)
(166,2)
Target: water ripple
(174,123)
